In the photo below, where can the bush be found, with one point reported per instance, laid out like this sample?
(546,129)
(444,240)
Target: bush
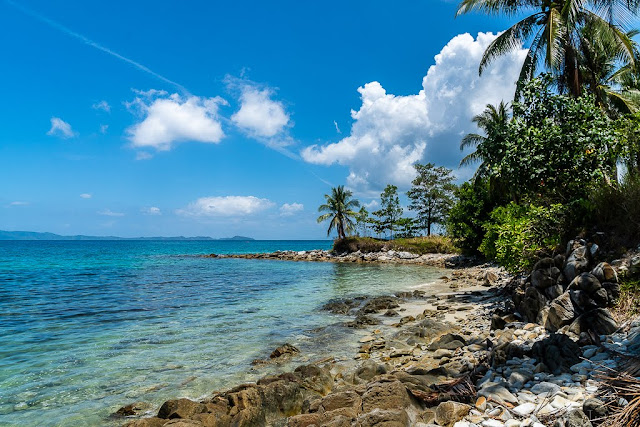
(517,235)
(417,245)
(355,244)
(617,211)
(468,214)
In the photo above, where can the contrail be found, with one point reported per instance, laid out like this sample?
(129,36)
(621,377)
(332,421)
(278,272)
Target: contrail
(91,43)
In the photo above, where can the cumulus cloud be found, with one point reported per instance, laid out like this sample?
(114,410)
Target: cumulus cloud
(108,212)
(391,132)
(102,105)
(169,119)
(259,115)
(60,128)
(289,209)
(152,210)
(85,196)
(226,206)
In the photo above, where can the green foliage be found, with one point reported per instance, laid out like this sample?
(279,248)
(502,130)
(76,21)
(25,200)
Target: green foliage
(407,227)
(339,208)
(617,211)
(516,235)
(468,214)
(355,244)
(431,195)
(390,210)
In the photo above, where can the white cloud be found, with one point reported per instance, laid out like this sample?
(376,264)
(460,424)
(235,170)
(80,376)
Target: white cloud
(143,155)
(85,196)
(60,128)
(390,133)
(102,105)
(226,206)
(259,115)
(372,205)
(103,129)
(19,203)
(169,119)
(152,210)
(289,209)
(108,212)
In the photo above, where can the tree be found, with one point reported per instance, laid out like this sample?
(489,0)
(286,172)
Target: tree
(431,195)
(553,29)
(362,220)
(390,210)
(339,208)
(407,227)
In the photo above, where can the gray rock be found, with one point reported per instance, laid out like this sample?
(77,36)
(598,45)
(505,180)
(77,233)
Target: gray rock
(599,321)
(595,408)
(561,312)
(575,418)
(498,393)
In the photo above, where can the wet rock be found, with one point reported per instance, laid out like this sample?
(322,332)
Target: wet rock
(361,321)
(286,349)
(132,409)
(180,408)
(391,313)
(378,304)
(314,378)
(340,307)
(447,413)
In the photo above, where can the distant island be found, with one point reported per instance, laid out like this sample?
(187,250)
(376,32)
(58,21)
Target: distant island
(32,235)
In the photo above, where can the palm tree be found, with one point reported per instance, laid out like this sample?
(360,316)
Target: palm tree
(553,31)
(340,209)
(493,122)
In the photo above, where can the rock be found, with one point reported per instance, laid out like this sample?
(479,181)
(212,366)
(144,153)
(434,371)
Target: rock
(391,313)
(497,322)
(595,408)
(147,422)
(558,352)
(577,262)
(447,342)
(613,292)
(180,408)
(314,378)
(545,387)
(561,312)
(384,418)
(346,399)
(585,282)
(340,307)
(605,273)
(503,352)
(598,321)
(531,304)
(498,393)
(492,423)
(385,394)
(490,278)
(305,420)
(286,349)
(524,410)
(184,423)
(361,321)
(132,409)
(378,304)
(370,369)
(447,413)
(481,404)
(575,418)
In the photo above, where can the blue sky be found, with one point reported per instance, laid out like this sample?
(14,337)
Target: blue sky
(220,118)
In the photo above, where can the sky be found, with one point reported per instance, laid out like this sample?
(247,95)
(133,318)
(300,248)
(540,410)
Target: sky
(211,118)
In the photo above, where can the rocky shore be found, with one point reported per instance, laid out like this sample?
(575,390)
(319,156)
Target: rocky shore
(396,257)
(475,355)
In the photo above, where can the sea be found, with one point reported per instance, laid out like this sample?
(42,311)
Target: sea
(89,326)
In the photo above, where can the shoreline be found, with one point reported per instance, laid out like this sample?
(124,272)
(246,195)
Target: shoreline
(456,355)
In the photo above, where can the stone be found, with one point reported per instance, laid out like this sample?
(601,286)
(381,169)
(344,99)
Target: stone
(492,423)
(497,322)
(385,394)
(575,418)
(132,409)
(286,349)
(595,408)
(576,263)
(561,312)
(384,418)
(585,282)
(378,304)
(498,393)
(490,278)
(605,273)
(599,321)
(447,413)
(558,353)
(147,422)
(180,408)
(314,378)
(370,369)
(524,410)
(447,342)
(545,387)
(481,404)
(531,304)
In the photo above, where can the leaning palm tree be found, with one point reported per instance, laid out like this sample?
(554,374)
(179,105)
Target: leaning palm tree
(552,29)
(493,122)
(339,209)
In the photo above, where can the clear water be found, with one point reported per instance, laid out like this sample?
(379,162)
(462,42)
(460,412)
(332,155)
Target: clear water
(86,327)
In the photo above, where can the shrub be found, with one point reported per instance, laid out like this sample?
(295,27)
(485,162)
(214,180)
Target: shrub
(517,235)
(468,214)
(617,210)
(355,244)
(417,245)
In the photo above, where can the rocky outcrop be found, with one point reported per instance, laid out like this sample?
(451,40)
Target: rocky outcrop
(570,293)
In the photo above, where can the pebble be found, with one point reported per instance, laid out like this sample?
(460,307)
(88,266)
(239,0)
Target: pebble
(524,409)
(492,423)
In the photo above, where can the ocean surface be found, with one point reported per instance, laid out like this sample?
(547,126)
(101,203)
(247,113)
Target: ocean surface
(87,327)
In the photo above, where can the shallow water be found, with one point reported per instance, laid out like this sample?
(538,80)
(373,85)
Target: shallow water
(86,327)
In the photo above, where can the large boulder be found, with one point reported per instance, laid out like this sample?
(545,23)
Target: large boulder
(558,352)
(605,273)
(600,321)
(180,408)
(385,394)
(577,262)
(531,304)
(448,413)
(561,312)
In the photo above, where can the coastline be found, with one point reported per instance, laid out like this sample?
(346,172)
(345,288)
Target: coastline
(449,353)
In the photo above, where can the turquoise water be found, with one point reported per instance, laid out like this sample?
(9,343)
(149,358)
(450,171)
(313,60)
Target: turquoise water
(86,327)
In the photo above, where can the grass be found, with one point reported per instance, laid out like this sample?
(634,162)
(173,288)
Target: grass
(627,307)
(416,245)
